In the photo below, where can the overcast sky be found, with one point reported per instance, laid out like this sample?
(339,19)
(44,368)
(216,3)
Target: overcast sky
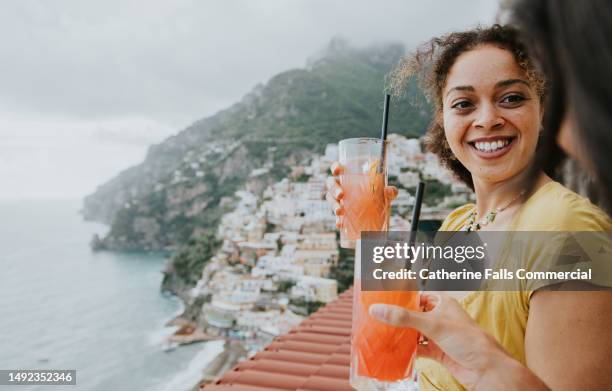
(86,86)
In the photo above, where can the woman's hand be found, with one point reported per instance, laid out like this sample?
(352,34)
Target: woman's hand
(335,193)
(456,341)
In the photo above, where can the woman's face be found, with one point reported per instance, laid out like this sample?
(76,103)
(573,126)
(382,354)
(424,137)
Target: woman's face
(491,114)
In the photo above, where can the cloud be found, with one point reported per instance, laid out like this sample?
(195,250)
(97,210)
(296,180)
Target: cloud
(129,72)
(133,133)
(183,59)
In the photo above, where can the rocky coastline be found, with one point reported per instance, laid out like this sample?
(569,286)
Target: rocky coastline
(189,333)
(233,352)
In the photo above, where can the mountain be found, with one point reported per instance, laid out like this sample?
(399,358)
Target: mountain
(186,182)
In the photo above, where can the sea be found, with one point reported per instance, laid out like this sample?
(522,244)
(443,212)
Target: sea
(63,306)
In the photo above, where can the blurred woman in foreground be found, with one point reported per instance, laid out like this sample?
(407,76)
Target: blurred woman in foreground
(571,40)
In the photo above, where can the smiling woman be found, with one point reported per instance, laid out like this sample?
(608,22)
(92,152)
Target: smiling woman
(486,129)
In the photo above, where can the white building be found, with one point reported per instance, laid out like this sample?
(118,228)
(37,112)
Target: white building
(318,241)
(236,300)
(408,179)
(403,202)
(273,322)
(315,289)
(277,266)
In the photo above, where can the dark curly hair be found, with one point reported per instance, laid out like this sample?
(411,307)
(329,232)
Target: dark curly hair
(431,63)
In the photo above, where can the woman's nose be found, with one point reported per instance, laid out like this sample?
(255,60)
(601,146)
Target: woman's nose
(487,118)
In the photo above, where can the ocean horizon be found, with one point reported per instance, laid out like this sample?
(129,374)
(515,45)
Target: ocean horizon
(64,306)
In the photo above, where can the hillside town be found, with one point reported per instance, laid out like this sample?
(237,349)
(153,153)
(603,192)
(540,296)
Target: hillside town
(278,248)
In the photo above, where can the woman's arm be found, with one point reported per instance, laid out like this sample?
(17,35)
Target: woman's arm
(567,342)
(509,374)
(455,340)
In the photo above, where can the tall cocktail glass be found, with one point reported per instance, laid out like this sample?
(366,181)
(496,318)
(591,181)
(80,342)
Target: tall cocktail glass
(363,180)
(382,356)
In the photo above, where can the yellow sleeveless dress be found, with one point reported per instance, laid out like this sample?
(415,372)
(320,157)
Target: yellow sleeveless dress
(504,314)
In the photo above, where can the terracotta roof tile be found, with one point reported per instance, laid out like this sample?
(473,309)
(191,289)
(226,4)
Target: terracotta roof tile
(314,356)
(231,387)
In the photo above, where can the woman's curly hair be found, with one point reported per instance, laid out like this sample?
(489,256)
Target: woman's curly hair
(431,63)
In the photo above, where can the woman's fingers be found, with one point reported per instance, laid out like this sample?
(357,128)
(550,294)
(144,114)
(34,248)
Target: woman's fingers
(333,189)
(336,206)
(430,349)
(390,193)
(400,317)
(331,182)
(334,193)
(336,168)
(429,301)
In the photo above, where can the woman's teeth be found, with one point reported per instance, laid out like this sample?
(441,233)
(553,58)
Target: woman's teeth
(491,146)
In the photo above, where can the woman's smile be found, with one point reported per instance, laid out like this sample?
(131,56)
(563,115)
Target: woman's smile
(492,147)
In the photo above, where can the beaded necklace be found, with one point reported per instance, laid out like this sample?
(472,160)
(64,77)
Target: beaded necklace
(475,225)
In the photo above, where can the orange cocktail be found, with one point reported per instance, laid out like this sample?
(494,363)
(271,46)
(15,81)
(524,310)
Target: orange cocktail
(364,204)
(380,352)
(381,355)
(363,180)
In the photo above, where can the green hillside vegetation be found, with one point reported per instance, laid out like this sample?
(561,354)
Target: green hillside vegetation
(175,198)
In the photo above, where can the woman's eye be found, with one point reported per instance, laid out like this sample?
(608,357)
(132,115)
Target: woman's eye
(462,105)
(513,99)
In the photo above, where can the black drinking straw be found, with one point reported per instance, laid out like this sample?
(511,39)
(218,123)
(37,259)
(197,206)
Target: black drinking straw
(416,215)
(416,212)
(383,135)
